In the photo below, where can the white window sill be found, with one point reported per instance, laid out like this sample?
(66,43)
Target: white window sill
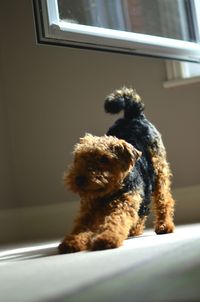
(181,73)
(181,82)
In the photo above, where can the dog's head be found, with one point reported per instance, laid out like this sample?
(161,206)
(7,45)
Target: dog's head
(100,165)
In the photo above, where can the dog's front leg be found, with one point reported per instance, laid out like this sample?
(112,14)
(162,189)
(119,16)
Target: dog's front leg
(116,226)
(75,242)
(80,237)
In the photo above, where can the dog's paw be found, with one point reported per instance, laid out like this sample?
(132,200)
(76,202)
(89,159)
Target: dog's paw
(73,243)
(164,228)
(103,242)
(66,247)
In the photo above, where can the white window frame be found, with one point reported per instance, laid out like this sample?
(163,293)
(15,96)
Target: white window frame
(183,73)
(52,30)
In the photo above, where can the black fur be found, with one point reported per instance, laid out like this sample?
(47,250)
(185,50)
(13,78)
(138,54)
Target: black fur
(138,131)
(131,106)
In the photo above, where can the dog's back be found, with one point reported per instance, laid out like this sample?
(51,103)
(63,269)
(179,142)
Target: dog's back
(134,126)
(138,131)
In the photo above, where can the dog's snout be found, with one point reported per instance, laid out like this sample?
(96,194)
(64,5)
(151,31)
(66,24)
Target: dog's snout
(80,180)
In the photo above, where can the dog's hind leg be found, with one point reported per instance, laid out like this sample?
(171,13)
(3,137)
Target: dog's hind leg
(162,197)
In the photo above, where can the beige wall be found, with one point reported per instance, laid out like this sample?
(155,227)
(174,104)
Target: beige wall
(6,172)
(53,95)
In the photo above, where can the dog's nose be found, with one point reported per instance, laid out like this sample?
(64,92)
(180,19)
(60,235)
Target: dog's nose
(80,180)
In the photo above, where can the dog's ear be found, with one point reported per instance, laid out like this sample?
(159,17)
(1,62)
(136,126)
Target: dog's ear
(127,152)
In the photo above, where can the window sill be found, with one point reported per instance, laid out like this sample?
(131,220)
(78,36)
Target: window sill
(181,82)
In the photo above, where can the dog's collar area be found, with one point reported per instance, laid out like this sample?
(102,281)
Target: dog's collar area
(127,186)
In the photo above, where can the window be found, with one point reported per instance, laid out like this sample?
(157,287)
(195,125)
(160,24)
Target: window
(181,73)
(161,28)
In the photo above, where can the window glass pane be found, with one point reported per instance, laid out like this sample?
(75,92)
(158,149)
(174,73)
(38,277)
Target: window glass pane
(164,18)
(191,70)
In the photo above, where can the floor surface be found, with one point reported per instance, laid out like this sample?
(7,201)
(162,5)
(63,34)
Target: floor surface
(147,268)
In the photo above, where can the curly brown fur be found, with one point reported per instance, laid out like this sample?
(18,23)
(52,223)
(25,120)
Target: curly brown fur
(116,176)
(162,197)
(101,164)
(109,224)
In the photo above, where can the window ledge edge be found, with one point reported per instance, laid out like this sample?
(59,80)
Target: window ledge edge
(181,82)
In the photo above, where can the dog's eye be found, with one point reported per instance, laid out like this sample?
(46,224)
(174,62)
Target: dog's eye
(104,159)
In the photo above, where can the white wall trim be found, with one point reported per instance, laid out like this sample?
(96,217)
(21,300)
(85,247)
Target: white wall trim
(181,82)
(36,223)
(53,221)
(181,73)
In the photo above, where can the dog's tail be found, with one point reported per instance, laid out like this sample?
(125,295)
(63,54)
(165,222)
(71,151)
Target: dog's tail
(125,99)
